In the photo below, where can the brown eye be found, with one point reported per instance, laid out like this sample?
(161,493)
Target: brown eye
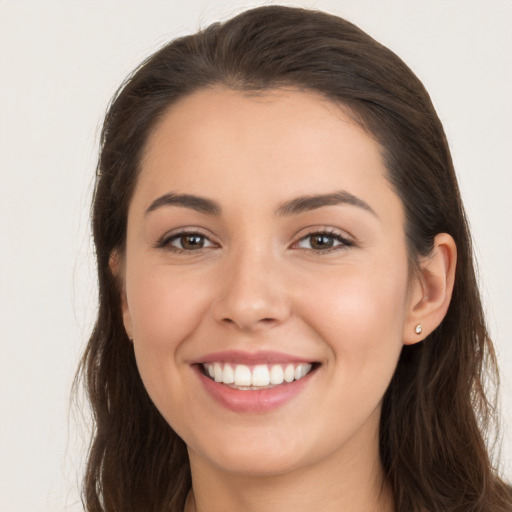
(323,242)
(191,242)
(186,242)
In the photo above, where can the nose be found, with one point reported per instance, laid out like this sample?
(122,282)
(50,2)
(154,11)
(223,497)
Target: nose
(252,294)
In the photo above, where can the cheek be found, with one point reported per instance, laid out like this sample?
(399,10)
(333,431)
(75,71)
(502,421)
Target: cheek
(164,306)
(360,318)
(360,314)
(165,310)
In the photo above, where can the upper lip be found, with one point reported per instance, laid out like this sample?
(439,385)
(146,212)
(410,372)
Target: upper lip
(251,358)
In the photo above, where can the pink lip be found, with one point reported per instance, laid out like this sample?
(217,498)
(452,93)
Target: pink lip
(250,358)
(252,401)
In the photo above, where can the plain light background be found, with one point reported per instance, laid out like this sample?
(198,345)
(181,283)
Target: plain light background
(61,61)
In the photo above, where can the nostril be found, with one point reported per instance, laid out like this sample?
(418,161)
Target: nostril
(267,320)
(258,324)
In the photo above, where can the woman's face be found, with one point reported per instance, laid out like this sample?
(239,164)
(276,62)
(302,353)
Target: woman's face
(265,279)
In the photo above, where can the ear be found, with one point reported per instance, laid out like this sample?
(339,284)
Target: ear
(431,290)
(116,267)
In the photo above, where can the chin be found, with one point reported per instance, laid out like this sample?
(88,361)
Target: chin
(258,464)
(263,457)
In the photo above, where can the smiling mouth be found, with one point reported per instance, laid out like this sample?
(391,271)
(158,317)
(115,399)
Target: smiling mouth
(256,377)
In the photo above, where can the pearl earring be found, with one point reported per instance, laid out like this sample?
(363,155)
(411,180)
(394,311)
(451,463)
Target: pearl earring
(418,329)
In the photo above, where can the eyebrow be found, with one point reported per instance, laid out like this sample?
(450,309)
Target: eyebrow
(200,204)
(293,207)
(313,202)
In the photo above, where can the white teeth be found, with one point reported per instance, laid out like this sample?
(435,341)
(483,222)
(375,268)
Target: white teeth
(302,370)
(306,368)
(289,373)
(228,376)
(217,372)
(276,374)
(258,376)
(242,375)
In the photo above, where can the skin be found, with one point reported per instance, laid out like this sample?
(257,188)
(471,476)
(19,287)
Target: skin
(259,283)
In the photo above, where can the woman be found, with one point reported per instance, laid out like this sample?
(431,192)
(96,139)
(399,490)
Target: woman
(289,315)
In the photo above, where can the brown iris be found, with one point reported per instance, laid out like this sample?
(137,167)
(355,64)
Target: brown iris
(191,242)
(321,241)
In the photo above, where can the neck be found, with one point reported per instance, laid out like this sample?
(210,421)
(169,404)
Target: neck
(352,480)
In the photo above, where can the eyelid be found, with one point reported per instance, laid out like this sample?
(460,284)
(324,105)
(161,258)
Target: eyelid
(164,242)
(343,237)
(346,240)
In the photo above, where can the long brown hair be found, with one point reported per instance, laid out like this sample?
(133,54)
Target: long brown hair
(435,415)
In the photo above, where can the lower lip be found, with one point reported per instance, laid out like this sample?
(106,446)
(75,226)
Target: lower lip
(253,401)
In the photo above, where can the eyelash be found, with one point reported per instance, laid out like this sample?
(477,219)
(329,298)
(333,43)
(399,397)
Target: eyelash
(344,242)
(166,241)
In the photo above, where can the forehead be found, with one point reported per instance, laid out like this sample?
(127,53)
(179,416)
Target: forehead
(267,146)
(221,118)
